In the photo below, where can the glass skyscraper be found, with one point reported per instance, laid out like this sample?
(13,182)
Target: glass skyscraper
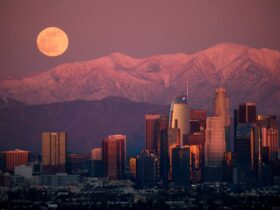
(180,116)
(114,156)
(215,148)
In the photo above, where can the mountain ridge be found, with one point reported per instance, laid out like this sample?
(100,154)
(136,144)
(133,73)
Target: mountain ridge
(247,73)
(86,122)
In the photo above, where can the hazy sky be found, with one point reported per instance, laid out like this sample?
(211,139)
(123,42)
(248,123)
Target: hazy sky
(135,27)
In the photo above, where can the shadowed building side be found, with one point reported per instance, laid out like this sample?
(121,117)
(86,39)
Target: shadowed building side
(151,132)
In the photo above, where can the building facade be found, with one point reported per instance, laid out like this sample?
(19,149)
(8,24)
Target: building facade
(215,148)
(114,156)
(147,169)
(152,132)
(54,146)
(180,116)
(181,166)
(14,158)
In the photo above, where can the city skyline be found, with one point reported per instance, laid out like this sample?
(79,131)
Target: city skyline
(170,159)
(152,120)
(139,104)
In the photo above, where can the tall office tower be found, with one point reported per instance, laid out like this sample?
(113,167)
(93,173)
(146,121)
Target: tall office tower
(180,116)
(196,143)
(162,150)
(235,124)
(181,166)
(14,158)
(215,148)
(54,152)
(197,120)
(269,135)
(221,109)
(256,144)
(256,147)
(244,153)
(114,156)
(221,106)
(247,113)
(151,131)
(96,154)
(147,168)
(196,140)
(173,141)
(228,167)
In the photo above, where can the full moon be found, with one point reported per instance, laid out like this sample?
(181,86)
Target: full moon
(52,41)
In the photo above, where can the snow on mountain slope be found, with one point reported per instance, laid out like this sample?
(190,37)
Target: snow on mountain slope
(248,74)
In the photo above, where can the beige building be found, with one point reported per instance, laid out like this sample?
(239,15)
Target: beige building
(221,106)
(54,148)
(180,116)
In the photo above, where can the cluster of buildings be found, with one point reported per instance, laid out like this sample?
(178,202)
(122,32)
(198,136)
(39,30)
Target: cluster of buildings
(183,148)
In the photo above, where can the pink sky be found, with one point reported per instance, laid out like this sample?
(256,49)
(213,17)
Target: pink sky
(137,28)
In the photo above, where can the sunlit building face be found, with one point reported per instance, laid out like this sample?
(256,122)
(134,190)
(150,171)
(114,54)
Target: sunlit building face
(14,158)
(215,146)
(132,166)
(54,148)
(221,106)
(180,116)
(96,154)
(113,155)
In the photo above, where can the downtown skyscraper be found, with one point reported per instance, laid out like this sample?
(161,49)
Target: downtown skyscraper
(180,116)
(247,113)
(181,166)
(54,146)
(215,148)
(221,109)
(152,132)
(114,156)
(221,106)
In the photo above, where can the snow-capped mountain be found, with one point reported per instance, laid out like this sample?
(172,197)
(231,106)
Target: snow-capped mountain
(248,74)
